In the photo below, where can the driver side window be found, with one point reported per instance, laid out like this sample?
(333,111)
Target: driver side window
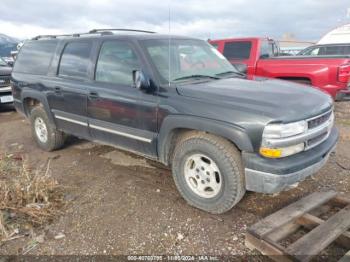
(115,63)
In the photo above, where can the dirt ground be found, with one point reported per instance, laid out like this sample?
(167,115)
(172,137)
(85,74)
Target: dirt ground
(119,203)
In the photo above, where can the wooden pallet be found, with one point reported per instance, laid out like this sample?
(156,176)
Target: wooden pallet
(267,234)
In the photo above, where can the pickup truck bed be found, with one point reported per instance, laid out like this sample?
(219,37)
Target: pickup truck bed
(319,71)
(258,56)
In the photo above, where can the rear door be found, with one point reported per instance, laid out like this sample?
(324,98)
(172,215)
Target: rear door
(120,114)
(70,91)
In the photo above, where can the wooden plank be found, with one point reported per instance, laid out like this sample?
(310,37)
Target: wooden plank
(283,232)
(289,213)
(290,228)
(321,237)
(345,258)
(267,249)
(310,222)
(341,200)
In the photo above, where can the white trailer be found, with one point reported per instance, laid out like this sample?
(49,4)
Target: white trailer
(340,35)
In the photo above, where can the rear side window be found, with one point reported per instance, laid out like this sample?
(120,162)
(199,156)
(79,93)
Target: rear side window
(35,57)
(346,50)
(338,50)
(75,60)
(237,50)
(331,50)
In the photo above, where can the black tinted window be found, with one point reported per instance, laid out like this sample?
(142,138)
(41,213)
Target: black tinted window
(237,50)
(116,62)
(75,60)
(35,57)
(337,50)
(346,50)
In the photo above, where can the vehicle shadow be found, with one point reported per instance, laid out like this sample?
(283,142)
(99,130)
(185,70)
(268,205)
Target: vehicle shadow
(7,108)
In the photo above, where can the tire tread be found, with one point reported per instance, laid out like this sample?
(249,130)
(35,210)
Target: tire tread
(231,155)
(56,138)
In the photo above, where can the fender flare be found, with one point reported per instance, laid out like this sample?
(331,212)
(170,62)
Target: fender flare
(233,133)
(40,97)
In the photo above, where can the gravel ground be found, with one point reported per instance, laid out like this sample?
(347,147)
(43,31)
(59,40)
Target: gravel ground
(119,203)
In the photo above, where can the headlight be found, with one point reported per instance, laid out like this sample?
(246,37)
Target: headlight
(284,130)
(276,131)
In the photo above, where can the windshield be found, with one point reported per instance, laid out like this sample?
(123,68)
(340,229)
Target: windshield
(2,62)
(189,59)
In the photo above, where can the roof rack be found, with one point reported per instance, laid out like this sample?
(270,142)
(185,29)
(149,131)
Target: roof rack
(94,31)
(120,29)
(57,36)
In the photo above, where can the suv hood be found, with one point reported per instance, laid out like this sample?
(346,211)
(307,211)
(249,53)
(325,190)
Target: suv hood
(279,100)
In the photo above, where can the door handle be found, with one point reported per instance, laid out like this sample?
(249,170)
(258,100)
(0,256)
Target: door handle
(57,89)
(93,95)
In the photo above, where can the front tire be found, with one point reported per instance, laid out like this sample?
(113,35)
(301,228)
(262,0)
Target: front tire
(45,134)
(208,172)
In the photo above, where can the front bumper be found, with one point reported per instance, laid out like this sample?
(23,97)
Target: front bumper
(274,175)
(343,94)
(6,95)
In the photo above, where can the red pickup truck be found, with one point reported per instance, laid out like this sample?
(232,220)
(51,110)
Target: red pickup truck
(259,56)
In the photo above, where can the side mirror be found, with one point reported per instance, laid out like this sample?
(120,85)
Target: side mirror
(140,81)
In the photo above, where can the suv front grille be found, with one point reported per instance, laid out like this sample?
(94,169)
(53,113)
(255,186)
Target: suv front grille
(318,130)
(315,122)
(320,125)
(316,140)
(4,81)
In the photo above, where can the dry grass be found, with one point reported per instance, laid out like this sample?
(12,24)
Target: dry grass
(27,197)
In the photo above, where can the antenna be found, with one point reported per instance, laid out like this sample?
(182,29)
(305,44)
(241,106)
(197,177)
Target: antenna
(169,17)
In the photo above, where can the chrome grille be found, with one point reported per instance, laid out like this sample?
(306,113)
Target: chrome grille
(315,122)
(321,126)
(5,80)
(316,140)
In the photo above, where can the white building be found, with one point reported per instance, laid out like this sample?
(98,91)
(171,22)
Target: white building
(340,35)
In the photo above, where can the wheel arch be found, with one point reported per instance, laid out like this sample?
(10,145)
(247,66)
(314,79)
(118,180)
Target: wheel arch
(173,126)
(31,98)
(298,79)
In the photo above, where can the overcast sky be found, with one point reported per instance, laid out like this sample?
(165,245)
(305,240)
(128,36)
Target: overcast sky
(306,19)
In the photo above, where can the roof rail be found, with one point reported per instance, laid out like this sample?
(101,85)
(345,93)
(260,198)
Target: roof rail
(56,36)
(94,31)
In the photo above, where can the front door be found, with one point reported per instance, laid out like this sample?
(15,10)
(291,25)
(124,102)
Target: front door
(120,114)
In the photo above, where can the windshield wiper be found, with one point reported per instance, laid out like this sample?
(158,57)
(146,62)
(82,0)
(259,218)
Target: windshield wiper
(196,76)
(230,72)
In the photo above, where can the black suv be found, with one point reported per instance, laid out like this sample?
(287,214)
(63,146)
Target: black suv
(176,100)
(5,86)
(326,49)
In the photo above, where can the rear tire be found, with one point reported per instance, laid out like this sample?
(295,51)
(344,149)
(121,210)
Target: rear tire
(45,134)
(208,172)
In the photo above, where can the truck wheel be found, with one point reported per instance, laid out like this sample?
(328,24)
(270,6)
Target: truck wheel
(208,172)
(46,135)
